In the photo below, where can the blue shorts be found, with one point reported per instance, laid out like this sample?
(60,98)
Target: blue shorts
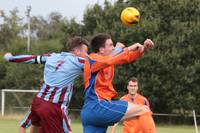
(96,116)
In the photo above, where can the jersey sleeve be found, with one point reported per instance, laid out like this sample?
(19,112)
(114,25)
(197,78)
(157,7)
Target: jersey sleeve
(28,59)
(117,50)
(121,57)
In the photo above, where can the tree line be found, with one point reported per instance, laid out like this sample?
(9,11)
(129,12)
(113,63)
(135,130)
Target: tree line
(169,75)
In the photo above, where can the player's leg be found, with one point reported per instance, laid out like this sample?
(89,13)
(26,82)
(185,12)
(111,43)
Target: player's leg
(134,110)
(22,130)
(103,113)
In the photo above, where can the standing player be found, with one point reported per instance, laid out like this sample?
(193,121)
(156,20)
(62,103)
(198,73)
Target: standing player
(132,125)
(60,71)
(99,110)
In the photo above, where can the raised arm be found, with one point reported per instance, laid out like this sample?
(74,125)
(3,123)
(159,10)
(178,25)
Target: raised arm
(27,59)
(124,56)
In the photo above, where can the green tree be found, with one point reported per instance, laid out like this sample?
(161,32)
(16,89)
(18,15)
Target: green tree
(169,73)
(50,28)
(10,28)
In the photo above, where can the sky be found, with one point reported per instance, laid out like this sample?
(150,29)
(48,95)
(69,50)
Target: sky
(68,8)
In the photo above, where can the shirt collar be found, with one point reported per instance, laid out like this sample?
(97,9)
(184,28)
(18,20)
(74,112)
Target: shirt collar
(66,54)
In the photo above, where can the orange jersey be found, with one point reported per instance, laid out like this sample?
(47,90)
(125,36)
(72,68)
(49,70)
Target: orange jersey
(139,99)
(99,73)
(132,126)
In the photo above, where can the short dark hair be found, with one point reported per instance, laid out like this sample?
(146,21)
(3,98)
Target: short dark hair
(76,42)
(133,79)
(98,41)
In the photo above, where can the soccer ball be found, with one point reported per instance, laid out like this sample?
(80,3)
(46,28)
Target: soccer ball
(130,16)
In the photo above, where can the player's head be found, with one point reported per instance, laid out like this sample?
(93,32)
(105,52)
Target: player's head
(132,86)
(102,44)
(78,46)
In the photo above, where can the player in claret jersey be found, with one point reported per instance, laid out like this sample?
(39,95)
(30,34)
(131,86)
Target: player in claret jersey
(99,110)
(60,71)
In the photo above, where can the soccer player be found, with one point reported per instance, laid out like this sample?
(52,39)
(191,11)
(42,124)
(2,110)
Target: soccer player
(132,125)
(60,71)
(99,110)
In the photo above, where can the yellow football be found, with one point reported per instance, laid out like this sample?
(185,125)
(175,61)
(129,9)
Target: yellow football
(130,16)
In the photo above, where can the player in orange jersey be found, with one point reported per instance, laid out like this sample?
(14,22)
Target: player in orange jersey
(133,126)
(99,110)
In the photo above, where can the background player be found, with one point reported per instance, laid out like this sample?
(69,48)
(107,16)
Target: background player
(132,126)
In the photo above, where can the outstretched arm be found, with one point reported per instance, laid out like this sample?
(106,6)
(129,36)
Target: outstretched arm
(124,56)
(121,57)
(27,59)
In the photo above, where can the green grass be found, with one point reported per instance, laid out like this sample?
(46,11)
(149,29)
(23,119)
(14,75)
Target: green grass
(9,124)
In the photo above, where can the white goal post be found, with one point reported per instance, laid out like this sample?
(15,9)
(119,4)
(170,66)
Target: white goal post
(195,121)
(3,91)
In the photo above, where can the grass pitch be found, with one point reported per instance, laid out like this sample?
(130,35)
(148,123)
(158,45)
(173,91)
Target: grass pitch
(10,124)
